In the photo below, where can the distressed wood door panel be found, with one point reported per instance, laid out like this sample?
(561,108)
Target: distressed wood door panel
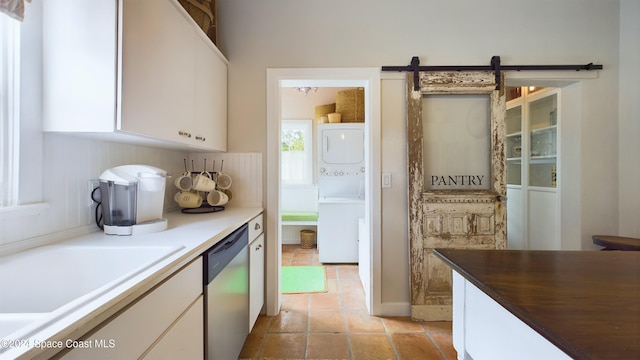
(459,218)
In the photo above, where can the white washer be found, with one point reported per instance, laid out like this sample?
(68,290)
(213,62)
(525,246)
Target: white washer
(341,169)
(338,229)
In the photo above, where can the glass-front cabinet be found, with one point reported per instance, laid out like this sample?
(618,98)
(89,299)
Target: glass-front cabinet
(543,144)
(514,145)
(532,121)
(532,138)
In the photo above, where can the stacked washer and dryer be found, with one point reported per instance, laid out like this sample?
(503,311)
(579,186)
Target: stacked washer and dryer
(341,190)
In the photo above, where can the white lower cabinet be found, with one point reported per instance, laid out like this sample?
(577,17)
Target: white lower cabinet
(484,329)
(165,323)
(256,279)
(256,269)
(184,339)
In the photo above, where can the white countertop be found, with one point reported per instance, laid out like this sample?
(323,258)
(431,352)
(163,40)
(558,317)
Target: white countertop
(188,235)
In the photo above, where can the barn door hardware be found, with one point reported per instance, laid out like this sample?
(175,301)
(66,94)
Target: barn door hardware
(494,66)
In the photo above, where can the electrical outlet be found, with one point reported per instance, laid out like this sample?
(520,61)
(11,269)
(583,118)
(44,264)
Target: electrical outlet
(91,184)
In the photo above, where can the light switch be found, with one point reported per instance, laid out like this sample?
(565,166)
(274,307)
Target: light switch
(386,180)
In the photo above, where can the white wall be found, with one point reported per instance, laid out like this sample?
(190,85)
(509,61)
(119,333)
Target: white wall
(629,121)
(296,106)
(256,35)
(69,162)
(55,168)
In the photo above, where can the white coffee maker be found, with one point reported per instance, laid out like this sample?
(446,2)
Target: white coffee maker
(133,199)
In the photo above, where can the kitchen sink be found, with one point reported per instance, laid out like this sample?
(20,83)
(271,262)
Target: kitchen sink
(12,322)
(44,279)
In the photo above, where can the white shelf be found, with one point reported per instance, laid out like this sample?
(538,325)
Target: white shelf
(544,130)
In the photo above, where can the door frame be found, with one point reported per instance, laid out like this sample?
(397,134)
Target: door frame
(369,78)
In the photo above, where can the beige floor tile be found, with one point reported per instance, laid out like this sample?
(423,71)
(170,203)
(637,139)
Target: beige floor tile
(410,346)
(354,302)
(359,321)
(348,272)
(284,346)
(326,301)
(331,271)
(295,301)
(332,286)
(437,327)
(327,346)
(252,345)
(326,321)
(289,321)
(402,325)
(262,324)
(445,344)
(314,326)
(371,347)
(351,286)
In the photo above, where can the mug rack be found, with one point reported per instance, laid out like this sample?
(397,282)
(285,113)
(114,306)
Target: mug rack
(205,207)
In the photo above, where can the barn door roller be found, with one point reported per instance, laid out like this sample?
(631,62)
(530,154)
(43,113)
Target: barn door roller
(494,66)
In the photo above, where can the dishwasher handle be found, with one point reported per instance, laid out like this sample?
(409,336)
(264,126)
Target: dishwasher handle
(221,254)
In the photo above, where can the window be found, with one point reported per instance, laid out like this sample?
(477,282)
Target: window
(297,152)
(9,109)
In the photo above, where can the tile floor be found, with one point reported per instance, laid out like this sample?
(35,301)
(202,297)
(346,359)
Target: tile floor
(336,325)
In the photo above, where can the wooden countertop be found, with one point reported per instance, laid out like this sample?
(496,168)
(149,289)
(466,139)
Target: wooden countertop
(617,242)
(587,303)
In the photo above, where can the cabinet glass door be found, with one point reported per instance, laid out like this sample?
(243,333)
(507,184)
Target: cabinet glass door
(543,125)
(514,145)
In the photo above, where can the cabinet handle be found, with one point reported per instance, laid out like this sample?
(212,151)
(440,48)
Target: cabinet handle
(184,133)
(201,138)
(257,227)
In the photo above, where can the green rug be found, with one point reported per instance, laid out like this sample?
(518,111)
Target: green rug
(303,279)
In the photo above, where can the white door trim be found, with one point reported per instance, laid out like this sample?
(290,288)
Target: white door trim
(369,78)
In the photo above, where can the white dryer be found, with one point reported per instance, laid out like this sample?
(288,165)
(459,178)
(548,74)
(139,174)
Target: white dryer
(341,176)
(341,160)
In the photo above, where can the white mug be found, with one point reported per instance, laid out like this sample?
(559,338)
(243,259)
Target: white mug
(217,198)
(188,199)
(224,181)
(203,182)
(229,194)
(184,182)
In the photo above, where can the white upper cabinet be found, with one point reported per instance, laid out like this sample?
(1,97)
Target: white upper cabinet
(136,70)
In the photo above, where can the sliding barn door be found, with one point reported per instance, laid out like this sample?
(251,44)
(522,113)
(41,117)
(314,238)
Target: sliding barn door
(457,178)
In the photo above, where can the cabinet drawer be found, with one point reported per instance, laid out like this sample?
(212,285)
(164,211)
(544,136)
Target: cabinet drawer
(133,331)
(185,339)
(255,227)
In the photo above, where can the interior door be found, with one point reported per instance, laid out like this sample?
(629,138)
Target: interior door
(457,178)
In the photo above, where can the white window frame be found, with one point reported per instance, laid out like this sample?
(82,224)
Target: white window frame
(26,116)
(9,110)
(306,126)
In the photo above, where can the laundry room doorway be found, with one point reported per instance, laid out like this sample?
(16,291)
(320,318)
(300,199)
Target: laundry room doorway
(290,193)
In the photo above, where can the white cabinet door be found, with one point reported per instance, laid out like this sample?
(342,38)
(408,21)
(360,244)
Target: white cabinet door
(79,74)
(210,129)
(131,333)
(184,340)
(140,67)
(157,71)
(256,279)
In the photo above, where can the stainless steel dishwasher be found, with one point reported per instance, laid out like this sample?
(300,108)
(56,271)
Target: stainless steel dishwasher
(226,296)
